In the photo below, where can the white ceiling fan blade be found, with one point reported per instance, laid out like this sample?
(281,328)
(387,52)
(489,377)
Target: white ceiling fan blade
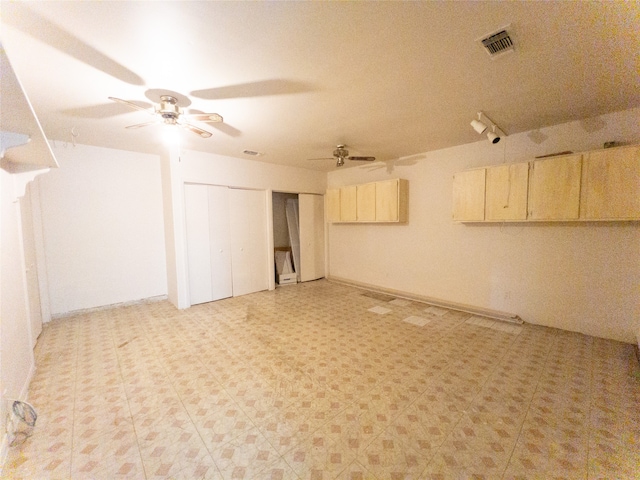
(131,105)
(145,124)
(205,117)
(192,128)
(323,158)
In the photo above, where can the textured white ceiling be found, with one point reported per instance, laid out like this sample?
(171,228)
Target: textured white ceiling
(293,79)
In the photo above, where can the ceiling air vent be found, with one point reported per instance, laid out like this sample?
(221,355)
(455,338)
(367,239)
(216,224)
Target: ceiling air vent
(498,43)
(252,153)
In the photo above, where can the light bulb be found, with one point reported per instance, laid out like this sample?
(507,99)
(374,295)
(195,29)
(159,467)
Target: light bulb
(170,135)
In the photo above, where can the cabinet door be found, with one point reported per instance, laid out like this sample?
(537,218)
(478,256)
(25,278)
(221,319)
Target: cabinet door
(366,202)
(248,218)
(390,201)
(611,184)
(348,197)
(333,205)
(311,237)
(506,192)
(468,195)
(554,188)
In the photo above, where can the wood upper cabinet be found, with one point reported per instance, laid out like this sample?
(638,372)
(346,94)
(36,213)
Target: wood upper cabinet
(611,184)
(597,185)
(468,195)
(383,202)
(506,192)
(348,196)
(333,204)
(392,198)
(554,188)
(366,202)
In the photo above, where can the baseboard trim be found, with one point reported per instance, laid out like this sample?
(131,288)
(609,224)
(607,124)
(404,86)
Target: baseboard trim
(460,307)
(82,311)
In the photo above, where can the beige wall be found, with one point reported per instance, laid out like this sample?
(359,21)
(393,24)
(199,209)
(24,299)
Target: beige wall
(580,277)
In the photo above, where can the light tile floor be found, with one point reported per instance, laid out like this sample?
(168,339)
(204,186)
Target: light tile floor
(307,381)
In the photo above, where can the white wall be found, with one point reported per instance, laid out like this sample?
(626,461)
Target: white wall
(574,276)
(103,228)
(16,355)
(199,167)
(205,168)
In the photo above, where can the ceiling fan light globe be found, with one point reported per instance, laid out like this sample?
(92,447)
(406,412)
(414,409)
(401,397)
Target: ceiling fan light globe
(170,135)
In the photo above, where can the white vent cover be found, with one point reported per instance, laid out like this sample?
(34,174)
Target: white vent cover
(498,43)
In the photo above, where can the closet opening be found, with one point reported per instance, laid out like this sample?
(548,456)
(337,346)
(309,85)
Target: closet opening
(286,238)
(298,237)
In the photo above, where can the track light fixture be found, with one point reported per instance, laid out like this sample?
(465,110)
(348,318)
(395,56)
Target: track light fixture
(477,125)
(481,127)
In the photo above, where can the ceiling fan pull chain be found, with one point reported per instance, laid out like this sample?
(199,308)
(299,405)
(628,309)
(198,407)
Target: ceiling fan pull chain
(74,135)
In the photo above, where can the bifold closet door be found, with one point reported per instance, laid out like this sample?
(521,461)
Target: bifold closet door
(311,208)
(248,219)
(208,242)
(220,243)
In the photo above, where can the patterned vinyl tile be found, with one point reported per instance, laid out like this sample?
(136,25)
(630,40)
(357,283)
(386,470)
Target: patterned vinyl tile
(323,381)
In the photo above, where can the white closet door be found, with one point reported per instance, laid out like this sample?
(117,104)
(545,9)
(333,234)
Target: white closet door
(196,204)
(311,208)
(250,264)
(220,243)
(30,260)
(208,244)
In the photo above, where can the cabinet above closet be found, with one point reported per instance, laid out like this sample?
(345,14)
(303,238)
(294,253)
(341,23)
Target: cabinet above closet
(377,202)
(600,185)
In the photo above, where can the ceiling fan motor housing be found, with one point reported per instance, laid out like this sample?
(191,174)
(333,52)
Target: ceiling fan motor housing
(168,109)
(341,152)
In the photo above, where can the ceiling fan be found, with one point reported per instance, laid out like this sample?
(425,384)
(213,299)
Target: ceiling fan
(169,113)
(342,154)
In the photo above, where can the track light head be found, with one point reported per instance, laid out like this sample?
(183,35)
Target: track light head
(478,126)
(493,136)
